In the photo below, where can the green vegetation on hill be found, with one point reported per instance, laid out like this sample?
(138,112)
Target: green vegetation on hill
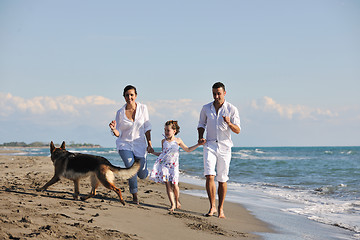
(41,144)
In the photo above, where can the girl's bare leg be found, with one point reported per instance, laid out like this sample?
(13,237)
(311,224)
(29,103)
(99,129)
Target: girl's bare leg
(177,195)
(171,196)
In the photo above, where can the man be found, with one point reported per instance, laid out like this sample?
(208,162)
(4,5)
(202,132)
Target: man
(219,118)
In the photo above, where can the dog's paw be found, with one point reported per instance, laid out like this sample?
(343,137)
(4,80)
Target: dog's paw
(123,202)
(40,189)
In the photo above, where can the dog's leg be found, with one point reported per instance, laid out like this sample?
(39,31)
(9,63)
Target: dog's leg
(111,186)
(94,185)
(106,179)
(118,192)
(76,189)
(52,181)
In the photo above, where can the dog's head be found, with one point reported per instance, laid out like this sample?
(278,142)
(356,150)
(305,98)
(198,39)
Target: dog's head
(56,151)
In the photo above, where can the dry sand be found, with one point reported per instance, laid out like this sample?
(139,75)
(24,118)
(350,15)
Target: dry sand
(53,214)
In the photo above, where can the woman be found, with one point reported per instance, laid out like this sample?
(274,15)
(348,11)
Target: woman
(132,129)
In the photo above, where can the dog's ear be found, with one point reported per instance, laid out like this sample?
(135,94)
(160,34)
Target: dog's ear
(52,147)
(63,145)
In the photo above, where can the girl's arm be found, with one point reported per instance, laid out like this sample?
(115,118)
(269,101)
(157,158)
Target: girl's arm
(186,148)
(158,153)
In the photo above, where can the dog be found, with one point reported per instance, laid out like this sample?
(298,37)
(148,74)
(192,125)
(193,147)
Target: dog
(75,166)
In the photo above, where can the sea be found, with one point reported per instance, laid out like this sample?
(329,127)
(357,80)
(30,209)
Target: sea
(301,192)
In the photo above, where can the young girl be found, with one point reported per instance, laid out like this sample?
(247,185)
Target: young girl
(166,167)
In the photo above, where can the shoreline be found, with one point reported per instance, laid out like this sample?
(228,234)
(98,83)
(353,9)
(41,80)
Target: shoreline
(26,213)
(14,148)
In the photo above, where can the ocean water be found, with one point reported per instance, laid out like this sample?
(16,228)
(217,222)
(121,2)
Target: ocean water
(302,192)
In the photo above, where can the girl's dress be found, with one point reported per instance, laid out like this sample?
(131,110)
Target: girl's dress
(166,167)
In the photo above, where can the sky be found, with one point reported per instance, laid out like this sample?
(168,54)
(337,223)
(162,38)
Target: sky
(292,68)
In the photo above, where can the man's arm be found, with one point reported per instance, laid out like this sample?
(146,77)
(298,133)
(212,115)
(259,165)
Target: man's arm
(201,127)
(201,139)
(235,128)
(149,144)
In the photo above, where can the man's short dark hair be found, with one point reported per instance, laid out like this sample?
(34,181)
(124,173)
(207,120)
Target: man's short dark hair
(218,85)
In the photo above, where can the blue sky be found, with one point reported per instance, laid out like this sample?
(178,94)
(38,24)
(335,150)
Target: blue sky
(291,67)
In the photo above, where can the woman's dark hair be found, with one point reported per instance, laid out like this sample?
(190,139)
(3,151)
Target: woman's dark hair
(174,125)
(218,85)
(127,88)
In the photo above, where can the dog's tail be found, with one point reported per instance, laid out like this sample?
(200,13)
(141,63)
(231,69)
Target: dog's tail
(126,173)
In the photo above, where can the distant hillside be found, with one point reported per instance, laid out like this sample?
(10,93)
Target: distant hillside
(41,144)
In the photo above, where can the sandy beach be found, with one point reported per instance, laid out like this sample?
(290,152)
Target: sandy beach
(53,214)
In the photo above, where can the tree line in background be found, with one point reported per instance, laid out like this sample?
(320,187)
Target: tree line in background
(42,144)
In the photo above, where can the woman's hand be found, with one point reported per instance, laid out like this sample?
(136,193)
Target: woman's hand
(112,125)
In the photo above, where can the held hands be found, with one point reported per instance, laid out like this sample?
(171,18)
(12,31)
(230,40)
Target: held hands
(201,141)
(150,149)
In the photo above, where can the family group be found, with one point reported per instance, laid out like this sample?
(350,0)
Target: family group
(133,131)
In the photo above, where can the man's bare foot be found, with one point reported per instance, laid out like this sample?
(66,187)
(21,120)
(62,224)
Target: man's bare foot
(211,212)
(178,205)
(221,214)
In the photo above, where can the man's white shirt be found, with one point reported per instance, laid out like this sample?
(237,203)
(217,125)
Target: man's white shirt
(217,130)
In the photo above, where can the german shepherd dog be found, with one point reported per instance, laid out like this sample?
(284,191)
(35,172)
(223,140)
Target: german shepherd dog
(75,166)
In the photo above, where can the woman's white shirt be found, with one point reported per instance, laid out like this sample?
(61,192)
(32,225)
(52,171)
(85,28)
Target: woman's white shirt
(132,133)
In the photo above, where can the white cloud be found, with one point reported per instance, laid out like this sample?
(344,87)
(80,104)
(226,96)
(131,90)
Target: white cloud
(174,109)
(70,106)
(86,119)
(10,104)
(267,104)
(186,111)
(90,113)
(91,108)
